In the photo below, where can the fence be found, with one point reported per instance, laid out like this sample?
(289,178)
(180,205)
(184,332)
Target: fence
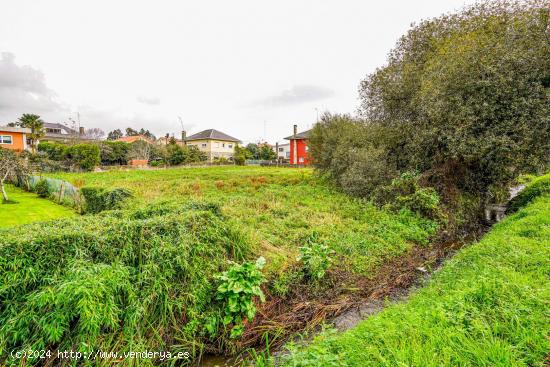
(63,192)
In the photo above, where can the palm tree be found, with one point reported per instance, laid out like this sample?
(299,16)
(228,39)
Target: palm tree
(33,122)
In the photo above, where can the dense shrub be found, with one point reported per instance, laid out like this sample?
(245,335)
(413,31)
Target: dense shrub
(99,199)
(177,155)
(42,188)
(406,192)
(53,151)
(114,153)
(538,187)
(83,156)
(113,282)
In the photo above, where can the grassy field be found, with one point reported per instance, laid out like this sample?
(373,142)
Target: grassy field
(488,306)
(279,208)
(28,208)
(147,277)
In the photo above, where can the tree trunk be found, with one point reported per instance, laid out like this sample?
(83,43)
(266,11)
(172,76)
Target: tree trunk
(4,194)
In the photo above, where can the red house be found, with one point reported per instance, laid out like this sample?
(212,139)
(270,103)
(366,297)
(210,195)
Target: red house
(299,146)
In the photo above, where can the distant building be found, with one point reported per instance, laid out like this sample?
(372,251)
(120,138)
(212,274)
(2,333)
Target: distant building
(62,133)
(299,146)
(131,139)
(283,151)
(14,138)
(213,143)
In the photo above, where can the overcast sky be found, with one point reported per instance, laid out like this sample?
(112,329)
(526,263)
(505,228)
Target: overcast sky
(236,66)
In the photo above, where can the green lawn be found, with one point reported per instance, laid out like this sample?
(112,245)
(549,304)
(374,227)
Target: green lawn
(278,208)
(29,208)
(488,306)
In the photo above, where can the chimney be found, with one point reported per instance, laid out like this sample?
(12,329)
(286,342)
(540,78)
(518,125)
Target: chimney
(295,130)
(277,150)
(81,131)
(167,138)
(183,136)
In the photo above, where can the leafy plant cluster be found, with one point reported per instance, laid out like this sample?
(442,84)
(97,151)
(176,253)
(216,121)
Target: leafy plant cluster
(98,199)
(316,258)
(239,286)
(464,99)
(115,282)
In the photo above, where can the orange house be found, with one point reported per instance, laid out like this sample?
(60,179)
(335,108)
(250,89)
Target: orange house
(14,138)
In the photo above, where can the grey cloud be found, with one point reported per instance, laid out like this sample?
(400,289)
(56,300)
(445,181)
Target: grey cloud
(23,89)
(296,95)
(148,100)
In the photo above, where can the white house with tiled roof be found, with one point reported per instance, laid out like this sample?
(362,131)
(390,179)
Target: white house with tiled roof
(213,143)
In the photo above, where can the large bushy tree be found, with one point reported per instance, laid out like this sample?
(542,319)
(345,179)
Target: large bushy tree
(464,99)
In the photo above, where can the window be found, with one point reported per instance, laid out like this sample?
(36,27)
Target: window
(230,146)
(307,148)
(6,139)
(301,159)
(281,149)
(217,144)
(53,131)
(288,154)
(223,145)
(203,145)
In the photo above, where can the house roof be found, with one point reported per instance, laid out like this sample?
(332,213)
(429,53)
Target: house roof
(68,130)
(302,135)
(131,139)
(213,135)
(15,129)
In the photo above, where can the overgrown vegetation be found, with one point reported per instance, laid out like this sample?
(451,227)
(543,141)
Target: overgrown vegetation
(280,208)
(463,100)
(98,199)
(144,280)
(486,307)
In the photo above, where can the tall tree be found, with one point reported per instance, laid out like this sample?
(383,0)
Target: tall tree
(465,97)
(33,122)
(131,132)
(115,134)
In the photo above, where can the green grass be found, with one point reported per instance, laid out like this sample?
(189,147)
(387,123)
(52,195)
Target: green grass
(488,306)
(279,208)
(144,277)
(28,208)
